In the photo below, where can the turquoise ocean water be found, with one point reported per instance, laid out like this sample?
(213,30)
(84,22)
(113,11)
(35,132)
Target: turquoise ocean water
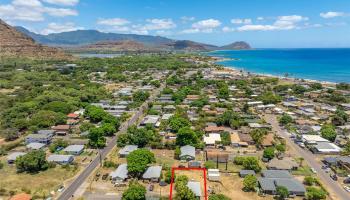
(317,64)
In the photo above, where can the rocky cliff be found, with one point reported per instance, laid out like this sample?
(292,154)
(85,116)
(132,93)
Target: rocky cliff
(17,44)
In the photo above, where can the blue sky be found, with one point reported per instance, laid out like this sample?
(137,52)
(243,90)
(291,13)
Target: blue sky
(262,23)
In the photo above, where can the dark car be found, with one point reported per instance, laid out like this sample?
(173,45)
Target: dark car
(334,177)
(151,187)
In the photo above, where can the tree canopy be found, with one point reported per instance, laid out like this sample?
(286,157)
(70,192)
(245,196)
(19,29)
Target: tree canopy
(138,161)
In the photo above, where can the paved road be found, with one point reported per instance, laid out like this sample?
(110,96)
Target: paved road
(335,189)
(70,190)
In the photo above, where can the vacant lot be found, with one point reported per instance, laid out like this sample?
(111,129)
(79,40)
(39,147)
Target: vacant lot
(40,184)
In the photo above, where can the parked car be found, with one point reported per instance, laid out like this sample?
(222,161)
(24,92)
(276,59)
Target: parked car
(61,188)
(150,187)
(347,188)
(334,177)
(313,170)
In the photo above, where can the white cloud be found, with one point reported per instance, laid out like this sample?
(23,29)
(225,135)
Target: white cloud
(113,22)
(31,10)
(61,12)
(288,22)
(58,28)
(186,19)
(241,21)
(159,24)
(332,14)
(227,29)
(206,24)
(163,33)
(260,18)
(63,2)
(203,26)
(139,32)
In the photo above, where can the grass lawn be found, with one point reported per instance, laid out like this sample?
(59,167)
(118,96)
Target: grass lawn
(37,184)
(303,171)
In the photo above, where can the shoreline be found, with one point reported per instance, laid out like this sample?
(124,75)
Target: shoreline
(217,60)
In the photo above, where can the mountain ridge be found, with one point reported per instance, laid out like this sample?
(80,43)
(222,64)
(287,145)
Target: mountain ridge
(89,38)
(14,43)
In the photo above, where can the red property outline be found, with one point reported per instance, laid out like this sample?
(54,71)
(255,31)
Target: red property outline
(173,169)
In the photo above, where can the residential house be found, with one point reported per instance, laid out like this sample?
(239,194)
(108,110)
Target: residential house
(120,174)
(195,187)
(35,146)
(125,151)
(153,173)
(61,130)
(41,137)
(287,163)
(187,153)
(61,159)
(152,120)
(74,149)
(243,173)
(213,175)
(212,139)
(13,156)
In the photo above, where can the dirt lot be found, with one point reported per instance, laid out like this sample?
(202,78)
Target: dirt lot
(41,184)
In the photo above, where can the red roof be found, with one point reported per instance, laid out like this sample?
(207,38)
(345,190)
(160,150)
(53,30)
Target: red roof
(22,196)
(72,115)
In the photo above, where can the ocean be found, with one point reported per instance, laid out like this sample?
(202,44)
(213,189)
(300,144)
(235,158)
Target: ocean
(331,65)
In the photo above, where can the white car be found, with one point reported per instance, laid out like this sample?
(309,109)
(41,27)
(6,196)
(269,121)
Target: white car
(61,188)
(347,188)
(313,170)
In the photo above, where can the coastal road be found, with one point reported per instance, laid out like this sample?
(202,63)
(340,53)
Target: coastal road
(335,189)
(70,190)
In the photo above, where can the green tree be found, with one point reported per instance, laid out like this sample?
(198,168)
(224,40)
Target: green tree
(85,126)
(251,163)
(210,164)
(281,148)
(313,193)
(218,197)
(140,96)
(135,191)
(138,161)
(96,114)
(58,143)
(258,136)
(226,138)
(282,192)
(186,136)
(182,191)
(177,122)
(340,117)
(249,183)
(108,129)
(58,106)
(309,180)
(328,132)
(269,153)
(32,162)
(46,118)
(96,138)
(270,98)
(286,119)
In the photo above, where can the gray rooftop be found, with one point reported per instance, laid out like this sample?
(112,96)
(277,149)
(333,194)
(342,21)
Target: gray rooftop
(152,172)
(188,151)
(59,158)
(74,148)
(247,172)
(46,132)
(267,184)
(14,155)
(195,187)
(276,174)
(120,172)
(35,145)
(291,184)
(127,149)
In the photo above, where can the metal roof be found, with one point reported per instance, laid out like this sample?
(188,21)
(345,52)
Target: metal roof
(152,172)
(59,158)
(120,172)
(127,149)
(276,174)
(74,148)
(35,145)
(14,155)
(291,184)
(188,151)
(195,187)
